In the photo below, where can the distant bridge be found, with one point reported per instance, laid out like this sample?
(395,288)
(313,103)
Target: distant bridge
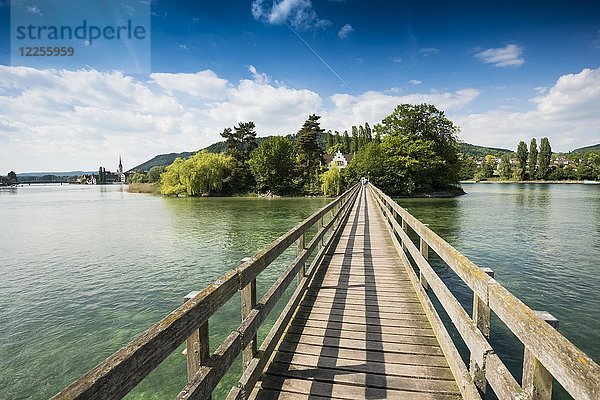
(360,324)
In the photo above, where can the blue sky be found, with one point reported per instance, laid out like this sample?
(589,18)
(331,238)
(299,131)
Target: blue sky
(503,73)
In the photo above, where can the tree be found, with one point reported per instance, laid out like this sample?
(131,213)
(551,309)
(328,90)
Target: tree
(354,146)
(468,168)
(533,158)
(138,177)
(332,181)
(337,139)
(346,143)
(505,167)
(12,178)
(368,132)
(362,137)
(421,146)
(545,157)
(522,155)
(200,174)
(272,164)
(155,172)
(329,139)
(487,168)
(241,140)
(309,153)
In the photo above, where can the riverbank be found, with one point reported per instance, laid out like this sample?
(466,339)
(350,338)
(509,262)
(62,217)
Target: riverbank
(537,182)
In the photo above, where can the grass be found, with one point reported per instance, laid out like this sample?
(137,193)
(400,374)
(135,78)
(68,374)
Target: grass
(152,188)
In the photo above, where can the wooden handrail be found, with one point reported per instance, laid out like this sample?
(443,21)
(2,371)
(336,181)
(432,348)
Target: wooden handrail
(572,368)
(122,371)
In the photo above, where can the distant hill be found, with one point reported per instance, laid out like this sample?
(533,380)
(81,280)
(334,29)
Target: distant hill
(473,150)
(167,159)
(69,173)
(595,147)
(220,147)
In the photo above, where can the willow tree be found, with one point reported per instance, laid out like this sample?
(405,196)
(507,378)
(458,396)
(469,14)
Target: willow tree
(332,181)
(202,174)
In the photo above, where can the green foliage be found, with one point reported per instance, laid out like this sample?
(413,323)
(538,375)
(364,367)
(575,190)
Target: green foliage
(533,158)
(468,169)
(421,150)
(354,144)
(505,167)
(522,155)
(331,181)
(155,172)
(544,159)
(12,178)
(346,143)
(487,169)
(308,151)
(240,141)
(138,177)
(471,150)
(272,164)
(368,162)
(201,174)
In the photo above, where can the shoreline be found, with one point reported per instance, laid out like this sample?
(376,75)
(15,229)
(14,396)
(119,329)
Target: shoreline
(534,182)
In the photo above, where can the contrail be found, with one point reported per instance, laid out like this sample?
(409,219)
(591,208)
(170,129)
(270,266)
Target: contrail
(320,58)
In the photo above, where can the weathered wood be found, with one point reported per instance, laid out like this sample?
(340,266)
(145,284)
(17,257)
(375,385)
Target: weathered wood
(300,250)
(248,297)
(118,374)
(573,369)
(501,380)
(537,381)
(482,318)
(424,249)
(192,347)
(452,356)
(208,377)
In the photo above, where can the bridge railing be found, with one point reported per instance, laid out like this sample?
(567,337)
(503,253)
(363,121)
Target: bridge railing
(548,354)
(122,371)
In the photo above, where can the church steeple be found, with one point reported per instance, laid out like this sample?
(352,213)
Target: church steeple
(120,170)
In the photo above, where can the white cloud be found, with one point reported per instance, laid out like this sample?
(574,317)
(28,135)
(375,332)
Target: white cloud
(428,51)
(507,56)
(300,14)
(397,60)
(567,114)
(63,120)
(415,82)
(345,31)
(203,84)
(34,10)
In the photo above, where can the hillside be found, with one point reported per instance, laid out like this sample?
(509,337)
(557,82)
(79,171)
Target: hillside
(595,147)
(473,150)
(220,147)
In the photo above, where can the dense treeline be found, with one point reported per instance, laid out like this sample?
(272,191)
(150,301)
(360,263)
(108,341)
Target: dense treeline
(531,162)
(414,150)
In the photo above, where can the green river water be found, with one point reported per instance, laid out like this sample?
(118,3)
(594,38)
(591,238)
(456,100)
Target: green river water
(84,269)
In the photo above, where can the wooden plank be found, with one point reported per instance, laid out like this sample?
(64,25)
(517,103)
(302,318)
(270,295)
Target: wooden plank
(371,367)
(361,355)
(380,337)
(373,307)
(340,391)
(384,329)
(385,347)
(364,320)
(248,297)
(370,380)
(537,381)
(453,358)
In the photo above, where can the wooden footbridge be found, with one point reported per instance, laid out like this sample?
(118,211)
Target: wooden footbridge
(361,323)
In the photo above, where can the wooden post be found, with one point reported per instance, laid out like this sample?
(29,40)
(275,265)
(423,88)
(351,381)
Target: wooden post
(405,229)
(299,250)
(248,303)
(481,316)
(319,227)
(537,381)
(197,349)
(424,248)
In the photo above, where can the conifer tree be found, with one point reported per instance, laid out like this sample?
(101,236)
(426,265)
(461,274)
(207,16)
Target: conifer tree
(307,146)
(346,143)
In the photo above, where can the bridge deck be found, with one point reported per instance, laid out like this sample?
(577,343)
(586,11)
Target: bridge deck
(360,332)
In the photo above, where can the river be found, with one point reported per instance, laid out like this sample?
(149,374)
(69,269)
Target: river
(87,268)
